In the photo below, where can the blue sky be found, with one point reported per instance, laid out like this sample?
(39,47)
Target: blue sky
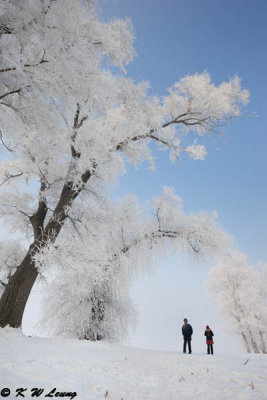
(175,38)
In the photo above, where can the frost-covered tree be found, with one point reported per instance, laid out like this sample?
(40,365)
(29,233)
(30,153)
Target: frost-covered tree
(89,295)
(70,119)
(241,292)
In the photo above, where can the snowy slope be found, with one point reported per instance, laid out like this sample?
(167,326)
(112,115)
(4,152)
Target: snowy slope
(106,371)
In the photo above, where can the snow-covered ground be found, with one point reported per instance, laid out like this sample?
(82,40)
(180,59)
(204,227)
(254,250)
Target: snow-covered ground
(98,371)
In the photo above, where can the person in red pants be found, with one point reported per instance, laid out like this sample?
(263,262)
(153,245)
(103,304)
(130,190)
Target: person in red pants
(209,334)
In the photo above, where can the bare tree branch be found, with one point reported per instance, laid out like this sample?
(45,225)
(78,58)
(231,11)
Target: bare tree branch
(16,207)
(9,106)
(26,65)
(10,177)
(187,119)
(82,121)
(11,92)
(1,138)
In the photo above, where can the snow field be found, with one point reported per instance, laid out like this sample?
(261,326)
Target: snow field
(98,371)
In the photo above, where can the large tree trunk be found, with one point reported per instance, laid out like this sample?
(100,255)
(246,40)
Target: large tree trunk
(15,296)
(18,289)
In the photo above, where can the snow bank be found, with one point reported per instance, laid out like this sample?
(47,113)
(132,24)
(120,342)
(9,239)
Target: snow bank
(106,371)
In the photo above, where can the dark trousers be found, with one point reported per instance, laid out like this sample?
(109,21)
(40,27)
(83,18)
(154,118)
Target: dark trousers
(210,348)
(189,345)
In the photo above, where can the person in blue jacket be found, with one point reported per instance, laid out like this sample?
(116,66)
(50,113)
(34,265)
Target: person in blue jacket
(187,332)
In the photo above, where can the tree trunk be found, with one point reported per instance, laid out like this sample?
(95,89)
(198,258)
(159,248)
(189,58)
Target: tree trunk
(253,341)
(16,294)
(245,339)
(237,317)
(18,289)
(247,328)
(263,345)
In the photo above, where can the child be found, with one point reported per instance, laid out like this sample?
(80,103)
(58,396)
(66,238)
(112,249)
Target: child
(208,333)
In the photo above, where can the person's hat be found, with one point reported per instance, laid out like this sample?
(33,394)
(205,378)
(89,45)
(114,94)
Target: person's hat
(207,327)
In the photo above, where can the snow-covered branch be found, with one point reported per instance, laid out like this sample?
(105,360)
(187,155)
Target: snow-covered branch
(196,104)
(104,260)
(32,65)
(3,143)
